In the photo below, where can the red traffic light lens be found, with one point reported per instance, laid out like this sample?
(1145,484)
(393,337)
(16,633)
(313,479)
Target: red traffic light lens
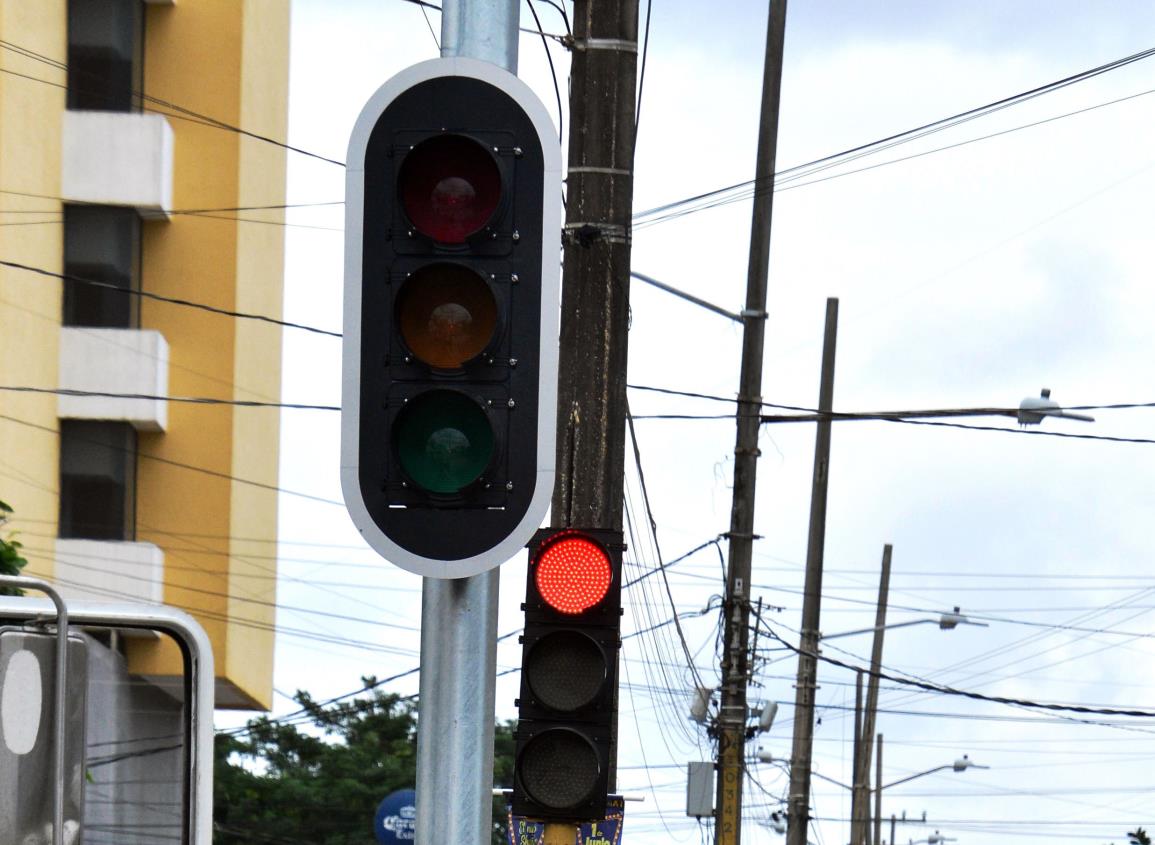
(447,315)
(573,574)
(450,186)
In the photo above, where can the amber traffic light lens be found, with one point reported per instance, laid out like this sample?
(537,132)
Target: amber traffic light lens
(447,315)
(573,574)
(566,670)
(450,186)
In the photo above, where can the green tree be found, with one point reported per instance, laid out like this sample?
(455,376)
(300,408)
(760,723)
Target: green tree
(11,562)
(318,777)
(1138,836)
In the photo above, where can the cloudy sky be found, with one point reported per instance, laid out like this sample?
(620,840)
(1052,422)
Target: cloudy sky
(974,266)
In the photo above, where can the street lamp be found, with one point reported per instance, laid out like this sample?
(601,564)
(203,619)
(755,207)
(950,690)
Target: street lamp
(945,621)
(864,725)
(960,765)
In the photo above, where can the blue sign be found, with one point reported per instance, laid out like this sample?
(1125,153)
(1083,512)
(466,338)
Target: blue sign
(396,819)
(523,831)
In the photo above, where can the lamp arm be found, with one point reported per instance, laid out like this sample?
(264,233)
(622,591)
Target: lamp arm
(920,774)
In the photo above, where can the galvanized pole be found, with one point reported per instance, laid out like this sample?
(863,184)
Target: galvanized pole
(459,617)
(735,659)
(798,812)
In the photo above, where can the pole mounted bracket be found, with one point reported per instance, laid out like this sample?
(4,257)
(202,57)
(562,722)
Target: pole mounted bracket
(586,234)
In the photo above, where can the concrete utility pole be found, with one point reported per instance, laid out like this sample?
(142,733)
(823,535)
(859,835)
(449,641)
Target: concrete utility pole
(735,657)
(595,305)
(459,617)
(798,806)
(860,802)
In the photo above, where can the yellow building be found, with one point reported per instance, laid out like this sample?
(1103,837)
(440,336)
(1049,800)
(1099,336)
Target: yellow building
(137,165)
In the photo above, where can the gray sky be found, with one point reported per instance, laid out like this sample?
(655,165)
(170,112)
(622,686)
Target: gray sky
(971,276)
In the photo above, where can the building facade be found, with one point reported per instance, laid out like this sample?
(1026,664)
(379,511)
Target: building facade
(140,188)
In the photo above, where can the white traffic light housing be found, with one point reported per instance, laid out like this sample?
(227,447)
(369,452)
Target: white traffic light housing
(453,233)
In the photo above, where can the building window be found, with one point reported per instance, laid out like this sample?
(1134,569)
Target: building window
(105,54)
(101,244)
(97,480)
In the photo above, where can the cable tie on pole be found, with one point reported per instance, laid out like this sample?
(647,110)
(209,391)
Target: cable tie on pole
(618,44)
(609,171)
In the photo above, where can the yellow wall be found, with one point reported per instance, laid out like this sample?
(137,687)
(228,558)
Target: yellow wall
(30,305)
(226,59)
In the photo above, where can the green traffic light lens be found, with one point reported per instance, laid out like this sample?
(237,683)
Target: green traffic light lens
(444,441)
(559,768)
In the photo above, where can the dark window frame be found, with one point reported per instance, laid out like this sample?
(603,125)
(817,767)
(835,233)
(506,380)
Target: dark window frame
(98,477)
(102,244)
(105,55)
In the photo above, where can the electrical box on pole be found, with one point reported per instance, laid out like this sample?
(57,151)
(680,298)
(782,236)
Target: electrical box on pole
(573,601)
(451,306)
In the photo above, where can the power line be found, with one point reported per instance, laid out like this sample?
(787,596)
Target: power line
(827,161)
(176,110)
(192,467)
(194,400)
(212,309)
(978,696)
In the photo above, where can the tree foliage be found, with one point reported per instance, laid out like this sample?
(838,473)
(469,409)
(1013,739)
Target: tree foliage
(1138,836)
(11,561)
(318,777)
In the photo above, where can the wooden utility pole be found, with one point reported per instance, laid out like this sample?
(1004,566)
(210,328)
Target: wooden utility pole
(735,657)
(595,305)
(591,433)
(798,806)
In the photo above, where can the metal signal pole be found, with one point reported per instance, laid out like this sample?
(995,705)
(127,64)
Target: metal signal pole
(459,617)
(735,658)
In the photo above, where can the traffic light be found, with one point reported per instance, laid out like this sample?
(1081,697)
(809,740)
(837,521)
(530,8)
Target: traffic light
(568,672)
(453,237)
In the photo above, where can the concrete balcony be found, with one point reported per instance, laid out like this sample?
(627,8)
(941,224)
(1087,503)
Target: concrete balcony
(101,570)
(114,361)
(118,158)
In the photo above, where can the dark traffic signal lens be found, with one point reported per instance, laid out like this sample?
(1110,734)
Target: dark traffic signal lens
(566,670)
(444,441)
(447,315)
(573,574)
(450,187)
(559,768)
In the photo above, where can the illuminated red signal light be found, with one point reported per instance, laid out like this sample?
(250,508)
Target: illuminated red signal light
(450,187)
(573,574)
